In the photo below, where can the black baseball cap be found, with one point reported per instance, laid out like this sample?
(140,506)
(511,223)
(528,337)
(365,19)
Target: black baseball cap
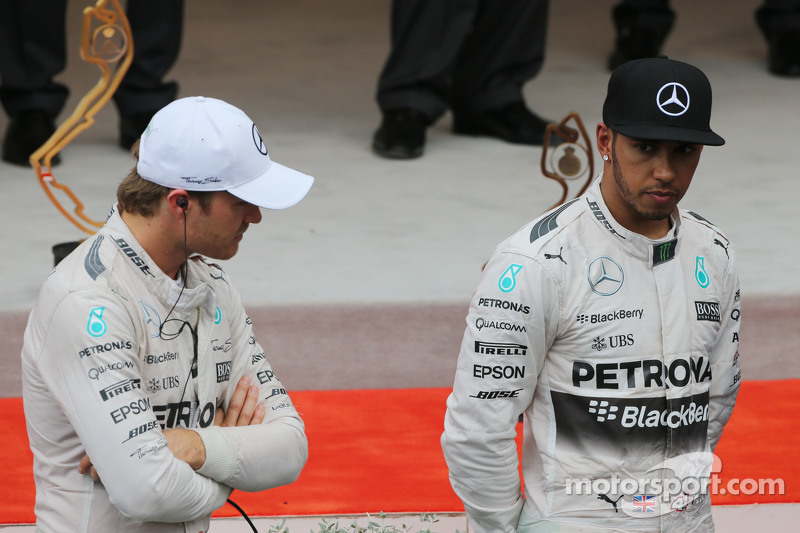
(660,99)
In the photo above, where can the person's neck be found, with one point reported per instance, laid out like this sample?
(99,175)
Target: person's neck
(154,235)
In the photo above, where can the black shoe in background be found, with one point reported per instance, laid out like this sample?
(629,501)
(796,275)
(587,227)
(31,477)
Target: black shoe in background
(26,132)
(131,128)
(513,123)
(634,43)
(784,54)
(401,134)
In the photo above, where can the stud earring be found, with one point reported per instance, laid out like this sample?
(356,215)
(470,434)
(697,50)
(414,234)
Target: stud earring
(605,157)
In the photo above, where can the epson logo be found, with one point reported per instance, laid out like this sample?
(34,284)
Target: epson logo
(107,347)
(265,376)
(498,372)
(223,371)
(134,408)
(121,387)
(647,373)
(500,348)
(504,304)
(708,311)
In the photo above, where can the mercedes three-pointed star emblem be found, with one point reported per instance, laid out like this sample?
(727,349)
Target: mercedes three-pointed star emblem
(605,276)
(673,96)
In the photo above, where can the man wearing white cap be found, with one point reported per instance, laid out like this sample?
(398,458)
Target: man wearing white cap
(147,397)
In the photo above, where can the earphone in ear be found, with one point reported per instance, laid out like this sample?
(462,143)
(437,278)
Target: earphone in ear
(182,202)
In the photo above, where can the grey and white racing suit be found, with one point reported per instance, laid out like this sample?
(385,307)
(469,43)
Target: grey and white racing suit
(622,353)
(113,354)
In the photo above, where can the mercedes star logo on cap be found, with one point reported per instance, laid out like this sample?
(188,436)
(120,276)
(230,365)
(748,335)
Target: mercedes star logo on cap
(674,95)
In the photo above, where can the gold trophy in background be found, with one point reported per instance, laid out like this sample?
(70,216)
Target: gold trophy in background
(107,42)
(567,156)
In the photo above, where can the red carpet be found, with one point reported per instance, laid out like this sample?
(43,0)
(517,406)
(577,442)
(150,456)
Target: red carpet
(378,450)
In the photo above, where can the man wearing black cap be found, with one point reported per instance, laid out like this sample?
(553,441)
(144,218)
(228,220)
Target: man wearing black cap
(612,324)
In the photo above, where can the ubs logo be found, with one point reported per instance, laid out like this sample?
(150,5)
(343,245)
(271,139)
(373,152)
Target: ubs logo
(673,99)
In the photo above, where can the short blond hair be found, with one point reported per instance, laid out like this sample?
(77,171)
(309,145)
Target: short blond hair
(142,197)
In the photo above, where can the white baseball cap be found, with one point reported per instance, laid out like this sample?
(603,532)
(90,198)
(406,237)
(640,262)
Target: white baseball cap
(205,144)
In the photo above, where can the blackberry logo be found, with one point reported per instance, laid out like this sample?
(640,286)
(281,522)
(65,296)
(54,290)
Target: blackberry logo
(603,410)
(599,318)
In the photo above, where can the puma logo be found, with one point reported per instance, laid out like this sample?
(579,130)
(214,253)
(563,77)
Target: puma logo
(613,503)
(556,256)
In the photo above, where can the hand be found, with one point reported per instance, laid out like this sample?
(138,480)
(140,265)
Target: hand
(85,466)
(186,445)
(243,409)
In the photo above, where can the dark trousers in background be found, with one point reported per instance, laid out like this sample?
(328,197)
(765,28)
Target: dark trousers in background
(33,52)
(470,54)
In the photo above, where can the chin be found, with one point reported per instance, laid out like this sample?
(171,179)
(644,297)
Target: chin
(222,255)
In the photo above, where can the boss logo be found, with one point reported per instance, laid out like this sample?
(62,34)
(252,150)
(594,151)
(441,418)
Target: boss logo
(223,371)
(708,311)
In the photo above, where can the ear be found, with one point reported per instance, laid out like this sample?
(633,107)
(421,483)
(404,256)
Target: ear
(604,139)
(178,202)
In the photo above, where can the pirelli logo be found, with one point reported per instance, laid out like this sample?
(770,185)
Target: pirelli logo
(121,387)
(500,348)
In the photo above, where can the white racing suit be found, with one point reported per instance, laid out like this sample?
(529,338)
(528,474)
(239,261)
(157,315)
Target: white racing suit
(99,379)
(622,353)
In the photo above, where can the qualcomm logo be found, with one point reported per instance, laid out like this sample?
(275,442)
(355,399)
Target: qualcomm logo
(508,279)
(675,96)
(605,275)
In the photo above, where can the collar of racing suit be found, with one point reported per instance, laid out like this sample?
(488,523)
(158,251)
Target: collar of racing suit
(651,251)
(196,292)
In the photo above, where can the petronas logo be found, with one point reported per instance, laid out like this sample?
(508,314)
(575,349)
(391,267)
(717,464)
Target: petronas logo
(508,280)
(700,273)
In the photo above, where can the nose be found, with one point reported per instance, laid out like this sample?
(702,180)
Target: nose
(664,169)
(253,215)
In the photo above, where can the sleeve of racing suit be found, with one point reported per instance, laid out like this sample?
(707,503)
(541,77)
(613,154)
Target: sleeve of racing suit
(503,349)
(264,456)
(725,369)
(120,434)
